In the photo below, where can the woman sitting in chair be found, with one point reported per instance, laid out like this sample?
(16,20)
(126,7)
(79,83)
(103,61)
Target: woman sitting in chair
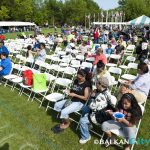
(79,95)
(132,114)
(141,85)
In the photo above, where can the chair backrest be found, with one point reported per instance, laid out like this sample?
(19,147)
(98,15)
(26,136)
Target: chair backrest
(75,62)
(142,108)
(131,58)
(113,100)
(131,47)
(115,70)
(86,65)
(70,70)
(132,65)
(63,82)
(80,57)
(115,56)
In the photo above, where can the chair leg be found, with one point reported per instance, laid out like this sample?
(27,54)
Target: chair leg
(30,96)
(47,106)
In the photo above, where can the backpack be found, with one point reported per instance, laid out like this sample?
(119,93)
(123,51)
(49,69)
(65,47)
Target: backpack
(27,77)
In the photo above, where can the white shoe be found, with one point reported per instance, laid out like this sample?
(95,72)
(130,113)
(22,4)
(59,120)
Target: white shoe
(81,141)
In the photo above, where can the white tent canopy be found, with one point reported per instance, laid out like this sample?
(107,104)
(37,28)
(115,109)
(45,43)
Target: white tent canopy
(142,20)
(15,23)
(109,23)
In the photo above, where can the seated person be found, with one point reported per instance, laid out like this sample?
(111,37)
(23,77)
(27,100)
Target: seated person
(6,64)
(129,107)
(3,48)
(101,71)
(109,50)
(141,85)
(83,47)
(79,94)
(125,89)
(99,56)
(95,111)
(119,49)
(41,53)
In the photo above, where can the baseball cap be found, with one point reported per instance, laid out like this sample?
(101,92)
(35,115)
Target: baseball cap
(103,81)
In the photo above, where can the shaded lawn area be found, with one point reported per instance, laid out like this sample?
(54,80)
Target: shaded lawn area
(24,126)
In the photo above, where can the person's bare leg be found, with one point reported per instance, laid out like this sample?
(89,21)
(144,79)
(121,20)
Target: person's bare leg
(65,124)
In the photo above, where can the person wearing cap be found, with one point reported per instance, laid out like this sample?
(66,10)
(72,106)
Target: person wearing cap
(3,48)
(99,101)
(6,64)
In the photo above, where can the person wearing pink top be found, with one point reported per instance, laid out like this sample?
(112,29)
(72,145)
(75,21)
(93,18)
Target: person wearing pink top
(99,56)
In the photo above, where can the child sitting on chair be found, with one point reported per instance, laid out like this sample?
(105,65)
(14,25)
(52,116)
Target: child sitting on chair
(132,114)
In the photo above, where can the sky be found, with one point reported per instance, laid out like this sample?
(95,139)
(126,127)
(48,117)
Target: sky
(107,4)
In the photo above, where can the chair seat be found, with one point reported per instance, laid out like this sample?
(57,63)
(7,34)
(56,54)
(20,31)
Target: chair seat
(11,76)
(39,91)
(75,66)
(128,76)
(111,65)
(123,67)
(25,86)
(17,80)
(54,97)
(118,132)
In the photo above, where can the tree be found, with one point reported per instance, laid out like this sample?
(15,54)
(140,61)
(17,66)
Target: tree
(4,13)
(134,8)
(22,10)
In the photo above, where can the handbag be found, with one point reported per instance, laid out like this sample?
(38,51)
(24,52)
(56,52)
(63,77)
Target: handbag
(39,81)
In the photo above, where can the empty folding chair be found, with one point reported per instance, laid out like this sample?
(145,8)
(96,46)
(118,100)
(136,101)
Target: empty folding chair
(116,72)
(55,96)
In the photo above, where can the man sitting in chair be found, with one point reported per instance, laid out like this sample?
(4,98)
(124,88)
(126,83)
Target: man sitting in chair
(6,65)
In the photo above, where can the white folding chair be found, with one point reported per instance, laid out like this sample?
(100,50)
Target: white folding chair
(116,72)
(87,65)
(58,95)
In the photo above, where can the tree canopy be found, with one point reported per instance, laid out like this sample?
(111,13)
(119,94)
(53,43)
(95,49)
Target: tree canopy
(68,11)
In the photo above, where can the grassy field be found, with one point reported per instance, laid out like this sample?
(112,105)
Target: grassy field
(44,30)
(24,126)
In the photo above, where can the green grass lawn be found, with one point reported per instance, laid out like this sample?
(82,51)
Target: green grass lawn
(44,30)
(24,126)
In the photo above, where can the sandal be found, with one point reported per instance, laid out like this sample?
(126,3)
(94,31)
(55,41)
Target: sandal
(56,129)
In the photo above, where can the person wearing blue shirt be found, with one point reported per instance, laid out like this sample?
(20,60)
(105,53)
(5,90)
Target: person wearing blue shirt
(3,48)
(109,50)
(6,64)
